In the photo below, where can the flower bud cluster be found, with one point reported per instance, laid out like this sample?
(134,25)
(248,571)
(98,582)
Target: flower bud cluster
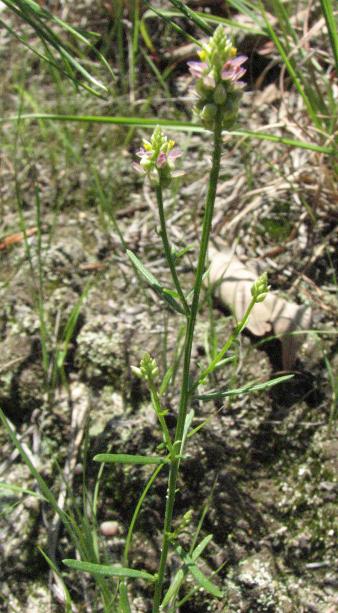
(157,158)
(260,288)
(148,369)
(218,80)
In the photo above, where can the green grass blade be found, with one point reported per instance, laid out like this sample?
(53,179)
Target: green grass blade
(106,570)
(68,600)
(125,458)
(170,124)
(331,24)
(291,67)
(37,18)
(181,574)
(70,327)
(200,547)
(45,490)
(192,16)
(17,489)
(213,19)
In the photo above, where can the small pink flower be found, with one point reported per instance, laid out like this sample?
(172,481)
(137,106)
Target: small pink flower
(233,70)
(200,70)
(197,68)
(174,153)
(162,159)
(142,153)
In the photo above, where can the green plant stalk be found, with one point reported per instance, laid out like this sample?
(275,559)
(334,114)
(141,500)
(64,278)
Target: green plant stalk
(136,513)
(167,250)
(185,395)
(160,416)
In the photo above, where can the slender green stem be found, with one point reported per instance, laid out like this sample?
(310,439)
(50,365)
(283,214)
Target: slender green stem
(136,513)
(160,416)
(167,250)
(184,400)
(228,344)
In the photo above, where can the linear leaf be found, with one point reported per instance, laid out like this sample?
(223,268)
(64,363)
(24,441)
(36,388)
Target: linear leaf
(246,389)
(173,588)
(154,283)
(124,606)
(200,547)
(198,575)
(125,458)
(108,570)
(204,582)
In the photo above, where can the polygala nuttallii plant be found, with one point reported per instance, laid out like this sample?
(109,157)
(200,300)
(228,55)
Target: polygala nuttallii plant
(219,88)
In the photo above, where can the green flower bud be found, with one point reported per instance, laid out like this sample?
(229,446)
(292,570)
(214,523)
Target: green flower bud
(208,112)
(220,94)
(148,367)
(260,288)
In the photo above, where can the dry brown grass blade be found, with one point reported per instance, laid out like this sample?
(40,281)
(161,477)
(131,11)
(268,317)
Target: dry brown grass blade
(18,237)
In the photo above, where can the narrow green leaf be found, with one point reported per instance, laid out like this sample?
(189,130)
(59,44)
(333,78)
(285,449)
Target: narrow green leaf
(124,606)
(125,458)
(154,283)
(173,588)
(166,380)
(106,570)
(246,389)
(68,600)
(197,574)
(16,489)
(200,547)
(204,582)
(180,575)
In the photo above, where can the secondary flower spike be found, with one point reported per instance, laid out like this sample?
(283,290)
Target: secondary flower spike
(157,158)
(218,74)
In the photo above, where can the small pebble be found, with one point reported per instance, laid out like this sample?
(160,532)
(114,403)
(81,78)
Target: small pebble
(110,528)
